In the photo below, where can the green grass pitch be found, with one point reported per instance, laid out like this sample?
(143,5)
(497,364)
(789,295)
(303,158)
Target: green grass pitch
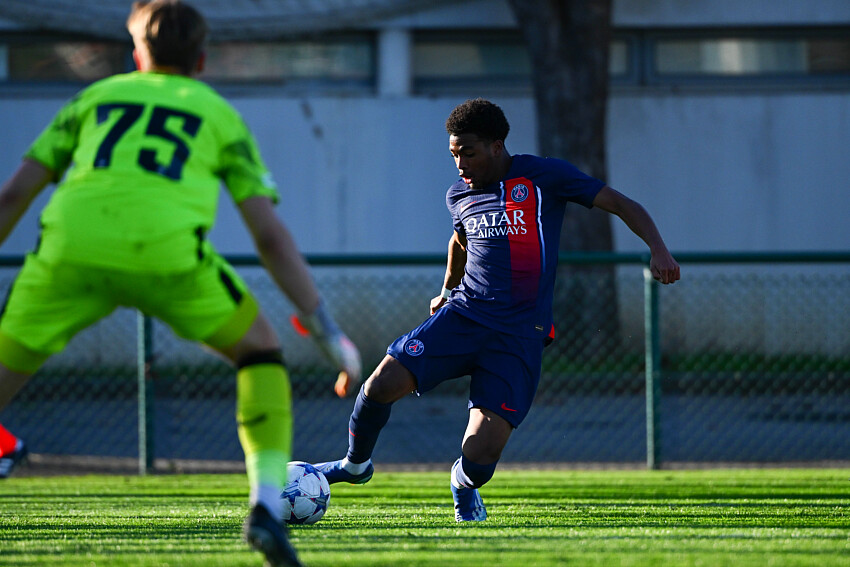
(766,517)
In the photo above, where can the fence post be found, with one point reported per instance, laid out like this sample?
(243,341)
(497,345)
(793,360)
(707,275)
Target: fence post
(653,366)
(144,357)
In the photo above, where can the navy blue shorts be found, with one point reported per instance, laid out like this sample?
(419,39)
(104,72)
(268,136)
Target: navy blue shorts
(505,369)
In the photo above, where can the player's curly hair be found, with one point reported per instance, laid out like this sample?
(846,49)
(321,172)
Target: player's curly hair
(480,117)
(174,32)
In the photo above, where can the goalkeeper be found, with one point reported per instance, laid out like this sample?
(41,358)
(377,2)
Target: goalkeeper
(127,227)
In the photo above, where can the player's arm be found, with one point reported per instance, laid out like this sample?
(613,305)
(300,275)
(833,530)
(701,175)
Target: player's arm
(455,267)
(18,192)
(290,272)
(279,254)
(663,266)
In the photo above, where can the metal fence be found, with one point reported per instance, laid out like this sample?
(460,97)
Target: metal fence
(745,360)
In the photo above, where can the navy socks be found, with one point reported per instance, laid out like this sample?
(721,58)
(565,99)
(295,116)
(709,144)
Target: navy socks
(472,475)
(364,426)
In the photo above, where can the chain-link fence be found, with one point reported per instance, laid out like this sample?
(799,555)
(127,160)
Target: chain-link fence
(752,365)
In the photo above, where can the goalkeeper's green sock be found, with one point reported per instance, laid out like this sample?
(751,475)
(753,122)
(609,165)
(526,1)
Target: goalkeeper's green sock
(264,417)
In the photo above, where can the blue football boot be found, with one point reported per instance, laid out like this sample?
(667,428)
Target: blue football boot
(468,504)
(334,472)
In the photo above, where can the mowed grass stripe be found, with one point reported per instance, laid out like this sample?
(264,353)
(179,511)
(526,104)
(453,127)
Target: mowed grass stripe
(536,518)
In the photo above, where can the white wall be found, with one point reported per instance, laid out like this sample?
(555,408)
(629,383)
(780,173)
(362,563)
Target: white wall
(364,175)
(718,171)
(736,172)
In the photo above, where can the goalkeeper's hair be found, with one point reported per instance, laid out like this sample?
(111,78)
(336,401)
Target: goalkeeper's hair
(480,117)
(173,32)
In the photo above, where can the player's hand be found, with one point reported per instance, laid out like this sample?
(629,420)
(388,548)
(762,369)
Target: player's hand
(345,356)
(335,345)
(436,303)
(664,268)
(344,384)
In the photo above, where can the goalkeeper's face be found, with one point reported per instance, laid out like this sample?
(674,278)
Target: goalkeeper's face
(479,161)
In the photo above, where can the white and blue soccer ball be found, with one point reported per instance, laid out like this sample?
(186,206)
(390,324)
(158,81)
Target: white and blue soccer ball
(306,494)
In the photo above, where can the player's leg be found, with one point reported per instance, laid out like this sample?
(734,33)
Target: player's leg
(264,422)
(264,425)
(263,411)
(214,306)
(417,361)
(390,382)
(45,307)
(501,391)
(485,438)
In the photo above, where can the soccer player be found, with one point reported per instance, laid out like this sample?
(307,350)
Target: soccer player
(143,156)
(494,314)
(12,452)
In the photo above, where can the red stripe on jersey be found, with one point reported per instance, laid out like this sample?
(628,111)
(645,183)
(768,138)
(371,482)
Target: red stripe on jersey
(524,239)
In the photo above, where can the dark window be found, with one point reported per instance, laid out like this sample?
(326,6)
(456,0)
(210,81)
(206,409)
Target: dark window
(62,61)
(333,61)
(754,54)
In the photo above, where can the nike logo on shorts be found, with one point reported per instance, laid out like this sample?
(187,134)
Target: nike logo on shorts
(253,421)
(506,408)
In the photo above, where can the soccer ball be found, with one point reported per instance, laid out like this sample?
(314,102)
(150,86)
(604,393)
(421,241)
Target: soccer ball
(306,494)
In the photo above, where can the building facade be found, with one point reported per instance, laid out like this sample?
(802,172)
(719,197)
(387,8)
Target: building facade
(728,120)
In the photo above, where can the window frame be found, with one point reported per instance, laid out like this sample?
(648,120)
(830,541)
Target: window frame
(12,87)
(641,71)
(514,82)
(653,77)
(300,85)
(8,39)
(509,83)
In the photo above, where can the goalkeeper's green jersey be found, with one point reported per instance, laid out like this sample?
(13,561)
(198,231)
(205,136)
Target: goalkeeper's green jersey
(143,157)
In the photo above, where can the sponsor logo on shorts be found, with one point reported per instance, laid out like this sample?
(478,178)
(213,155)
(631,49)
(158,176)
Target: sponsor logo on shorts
(414,347)
(519,193)
(506,408)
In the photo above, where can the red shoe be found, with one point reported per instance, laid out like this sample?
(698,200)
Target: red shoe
(10,461)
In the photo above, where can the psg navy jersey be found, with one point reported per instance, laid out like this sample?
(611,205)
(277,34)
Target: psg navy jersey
(512,230)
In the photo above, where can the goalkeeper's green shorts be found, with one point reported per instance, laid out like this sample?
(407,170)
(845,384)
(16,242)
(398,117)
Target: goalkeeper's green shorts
(49,303)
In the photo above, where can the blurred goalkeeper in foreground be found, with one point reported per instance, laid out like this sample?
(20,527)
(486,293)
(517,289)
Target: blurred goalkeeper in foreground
(493,316)
(145,154)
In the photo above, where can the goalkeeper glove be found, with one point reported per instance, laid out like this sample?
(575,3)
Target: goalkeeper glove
(333,343)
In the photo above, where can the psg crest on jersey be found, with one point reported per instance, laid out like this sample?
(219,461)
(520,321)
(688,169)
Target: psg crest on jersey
(414,347)
(519,193)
